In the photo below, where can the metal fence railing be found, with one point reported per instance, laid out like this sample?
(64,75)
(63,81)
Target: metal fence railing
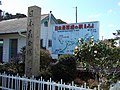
(115,86)
(8,82)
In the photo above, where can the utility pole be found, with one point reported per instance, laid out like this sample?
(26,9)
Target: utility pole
(0,2)
(76,13)
(1,11)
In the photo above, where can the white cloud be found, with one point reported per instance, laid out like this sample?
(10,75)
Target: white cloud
(110,11)
(118,3)
(112,25)
(94,16)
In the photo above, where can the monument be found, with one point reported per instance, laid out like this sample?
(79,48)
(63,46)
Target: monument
(32,61)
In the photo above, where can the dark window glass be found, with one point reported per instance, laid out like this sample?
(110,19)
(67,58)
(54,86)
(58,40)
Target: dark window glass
(49,43)
(46,24)
(41,43)
(13,47)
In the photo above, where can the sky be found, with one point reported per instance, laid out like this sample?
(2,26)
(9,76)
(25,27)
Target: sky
(107,12)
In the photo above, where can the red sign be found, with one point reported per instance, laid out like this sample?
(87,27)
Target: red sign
(73,26)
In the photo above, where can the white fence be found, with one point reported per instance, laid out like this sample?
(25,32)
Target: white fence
(8,82)
(115,86)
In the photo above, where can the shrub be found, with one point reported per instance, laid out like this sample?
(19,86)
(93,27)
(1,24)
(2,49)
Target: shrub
(15,66)
(12,68)
(64,68)
(45,59)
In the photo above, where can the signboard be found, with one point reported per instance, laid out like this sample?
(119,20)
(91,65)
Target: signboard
(65,36)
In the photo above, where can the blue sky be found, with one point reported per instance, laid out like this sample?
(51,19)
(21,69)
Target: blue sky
(107,12)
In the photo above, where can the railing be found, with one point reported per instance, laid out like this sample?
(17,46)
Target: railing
(115,86)
(8,82)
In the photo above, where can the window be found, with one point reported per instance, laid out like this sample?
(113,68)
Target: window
(49,43)
(13,47)
(46,24)
(41,43)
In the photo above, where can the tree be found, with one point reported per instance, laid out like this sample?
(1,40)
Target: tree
(98,57)
(19,15)
(7,16)
(45,57)
(117,36)
(61,22)
(10,16)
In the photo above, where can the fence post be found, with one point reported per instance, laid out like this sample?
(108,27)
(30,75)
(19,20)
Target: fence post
(0,78)
(95,88)
(41,83)
(58,85)
(12,82)
(8,81)
(99,86)
(50,84)
(72,85)
(85,85)
(61,84)
(2,81)
(53,85)
(19,83)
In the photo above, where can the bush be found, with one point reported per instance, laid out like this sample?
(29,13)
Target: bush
(12,68)
(15,66)
(64,68)
(45,59)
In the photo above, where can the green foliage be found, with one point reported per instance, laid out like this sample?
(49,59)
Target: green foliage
(23,51)
(65,68)
(113,42)
(99,57)
(61,22)
(45,59)
(18,67)
(12,68)
(10,16)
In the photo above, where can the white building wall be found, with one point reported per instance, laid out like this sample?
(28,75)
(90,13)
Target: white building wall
(5,50)
(50,33)
(21,43)
(46,34)
(6,38)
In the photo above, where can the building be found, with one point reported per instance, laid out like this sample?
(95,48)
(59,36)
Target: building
(57,38)
(13,35)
